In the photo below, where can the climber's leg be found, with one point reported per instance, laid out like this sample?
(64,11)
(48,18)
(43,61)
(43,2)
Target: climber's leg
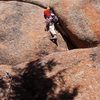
(52,30)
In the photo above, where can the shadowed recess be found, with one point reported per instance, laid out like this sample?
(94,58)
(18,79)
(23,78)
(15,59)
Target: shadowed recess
(3,84)
(66,95)
(32,84)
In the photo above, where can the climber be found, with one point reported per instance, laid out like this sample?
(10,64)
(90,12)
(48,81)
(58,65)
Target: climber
(51,20)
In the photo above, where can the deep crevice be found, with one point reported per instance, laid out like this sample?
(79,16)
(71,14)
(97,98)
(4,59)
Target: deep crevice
(66,38)
(64,34)
(71,39)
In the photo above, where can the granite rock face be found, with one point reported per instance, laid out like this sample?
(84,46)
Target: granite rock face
(75,74)
(32,67)
(80,19)
(41,3)
(71,75)
(22,33)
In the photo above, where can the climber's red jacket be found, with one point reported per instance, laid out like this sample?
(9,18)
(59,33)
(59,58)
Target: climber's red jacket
(47,13)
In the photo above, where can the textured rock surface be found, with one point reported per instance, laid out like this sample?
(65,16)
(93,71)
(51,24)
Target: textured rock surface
(22,33)
(41,3)
(80,19)
(71,75)
(55,75)
(76,74)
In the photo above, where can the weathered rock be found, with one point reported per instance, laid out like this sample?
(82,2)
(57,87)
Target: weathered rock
(71,75)
(22,33)
(41,3)
(4,69)
(80,20)
(76,74)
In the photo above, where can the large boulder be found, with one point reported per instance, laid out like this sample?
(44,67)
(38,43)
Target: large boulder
(71,75)
(41,3)
(80,20)
(22,33)
(75,74)
(68,75)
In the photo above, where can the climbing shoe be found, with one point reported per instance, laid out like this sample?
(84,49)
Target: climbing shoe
(53,38)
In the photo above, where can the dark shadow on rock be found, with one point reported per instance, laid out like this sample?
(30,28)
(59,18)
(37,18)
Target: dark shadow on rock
(33,84)
(66,38)
(66,95)
(3,84)
(40,84)
(54,41)
(4,88)
(50,64)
